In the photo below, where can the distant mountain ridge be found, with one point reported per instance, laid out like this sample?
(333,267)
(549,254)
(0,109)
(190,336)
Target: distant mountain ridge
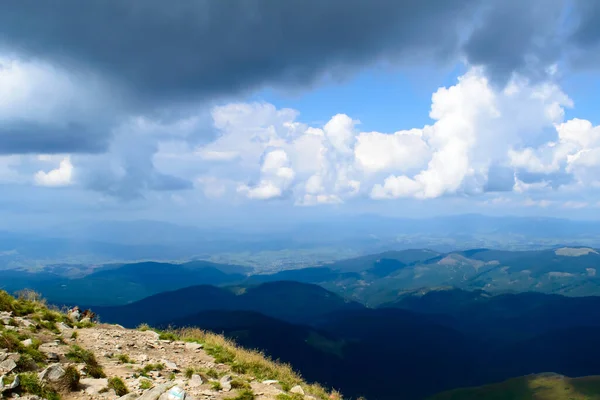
(424,334)
(288,301)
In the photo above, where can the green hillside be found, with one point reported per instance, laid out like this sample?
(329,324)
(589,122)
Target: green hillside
(531,387)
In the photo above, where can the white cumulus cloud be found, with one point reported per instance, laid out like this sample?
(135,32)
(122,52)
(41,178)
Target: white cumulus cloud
(61,176)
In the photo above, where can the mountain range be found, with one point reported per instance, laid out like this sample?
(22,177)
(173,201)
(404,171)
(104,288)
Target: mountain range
(425,342)
(419,319)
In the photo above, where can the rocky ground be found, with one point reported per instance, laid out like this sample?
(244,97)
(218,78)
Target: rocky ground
(110,362)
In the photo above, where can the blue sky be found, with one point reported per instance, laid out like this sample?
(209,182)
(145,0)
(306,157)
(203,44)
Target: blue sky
(295,112)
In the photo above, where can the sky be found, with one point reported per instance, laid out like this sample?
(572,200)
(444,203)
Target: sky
(205,111)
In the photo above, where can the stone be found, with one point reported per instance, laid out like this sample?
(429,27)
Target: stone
(193,346)
(27,342)
(25,322)
(7,366)
(3,356)
(93,386)
(195,381)
(86,320)
(13,385)
(270,382)
(297,389)
(129,396)
(74,314)
(153,335)
(52,357)
(52,373)
(142,358)
(171,366)
(226,383)
(155,392)
(176,393)
(63,327)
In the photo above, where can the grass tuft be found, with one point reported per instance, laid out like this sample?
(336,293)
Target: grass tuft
(30,383)
(145,384)
(118,386)
(124,359)
(245,394)
(92,367)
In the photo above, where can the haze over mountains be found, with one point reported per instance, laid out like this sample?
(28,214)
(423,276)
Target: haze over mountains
(268,247)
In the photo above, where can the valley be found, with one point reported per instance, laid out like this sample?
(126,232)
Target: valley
(428,321)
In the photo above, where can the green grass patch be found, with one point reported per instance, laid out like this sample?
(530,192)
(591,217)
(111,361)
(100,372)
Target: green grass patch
(145,384)
(168,336)
(151,367)
(245,394)
(238,383)
(124,359)
(216,385)
(118,386)
(92,367)
(289,396)
(30,383)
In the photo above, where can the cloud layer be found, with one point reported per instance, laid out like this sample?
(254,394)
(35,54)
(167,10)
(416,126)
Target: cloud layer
(124,99)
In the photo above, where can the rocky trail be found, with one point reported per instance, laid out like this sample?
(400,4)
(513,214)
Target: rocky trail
(47,358)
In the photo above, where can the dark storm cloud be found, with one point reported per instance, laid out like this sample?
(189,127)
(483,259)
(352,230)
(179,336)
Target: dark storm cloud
(209,47)
(32,137)
(587,33)
(516,36)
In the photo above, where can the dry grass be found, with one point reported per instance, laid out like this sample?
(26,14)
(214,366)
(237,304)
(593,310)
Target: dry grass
(250,362)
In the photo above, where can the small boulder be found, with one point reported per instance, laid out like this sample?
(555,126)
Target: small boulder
(129,396)
(270,382)
(226,383)
(171,366)
(63,327)
(297,389)
(94,386)
(175,393)
(13,385)
(155,392)
(7,366)
(27,342)
(52,373)
(195,381)
(193,346)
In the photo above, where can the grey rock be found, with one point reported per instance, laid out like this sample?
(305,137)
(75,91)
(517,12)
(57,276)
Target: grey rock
(195,381)
(175,393)
(63,327)
(153,335)
(3,356)
(270,382)
(129,396)
(93,386)
(53,373)
(25,322)
(193,346)
(297,389)
(155,392)
(52,357)
(13,385)
(171,366)
(226,383)
(27,342)
(7,366)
